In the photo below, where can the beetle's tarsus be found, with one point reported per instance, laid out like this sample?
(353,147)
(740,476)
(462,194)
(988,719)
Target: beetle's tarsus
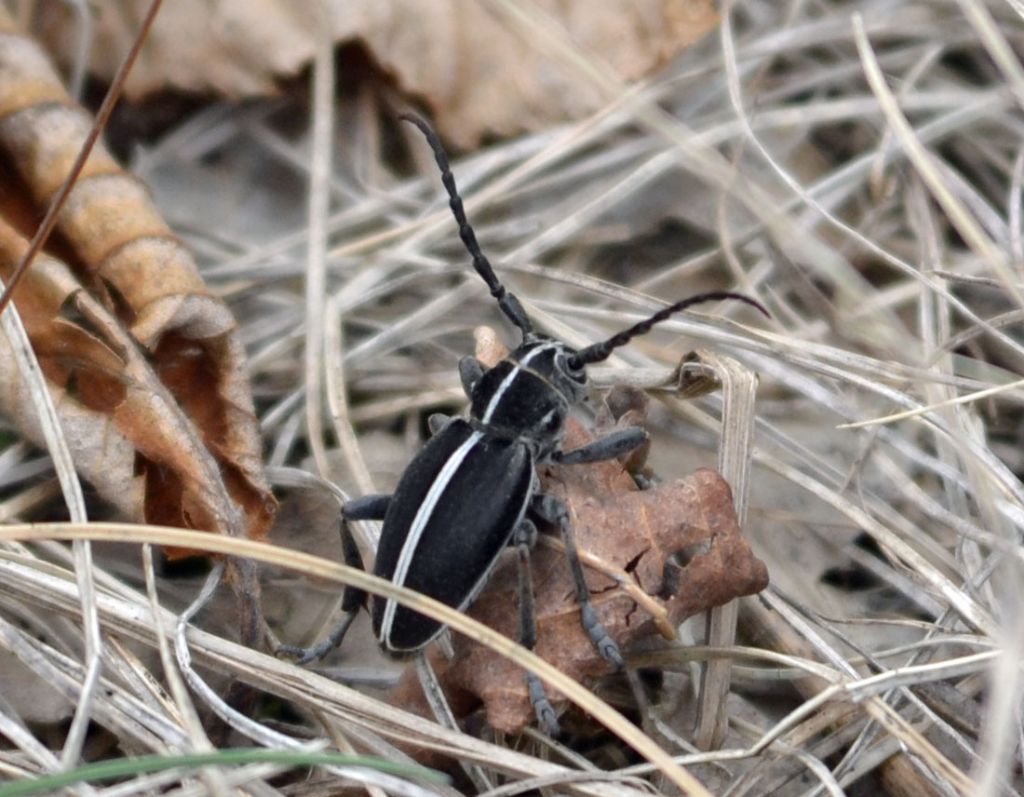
(304,656)
(613,445)
(524,537)
(554,511)
(542,706)
(600,637)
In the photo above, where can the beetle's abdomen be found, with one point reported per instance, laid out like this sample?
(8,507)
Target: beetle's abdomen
(449,519)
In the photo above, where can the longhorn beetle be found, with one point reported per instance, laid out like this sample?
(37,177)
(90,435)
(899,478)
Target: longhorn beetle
(439,537)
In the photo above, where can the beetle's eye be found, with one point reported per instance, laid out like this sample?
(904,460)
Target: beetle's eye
(574,367)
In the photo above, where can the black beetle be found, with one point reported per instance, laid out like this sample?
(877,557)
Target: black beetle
(473,490)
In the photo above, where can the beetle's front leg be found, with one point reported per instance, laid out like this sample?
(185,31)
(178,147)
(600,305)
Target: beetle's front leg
(523,539)
(551,510)
(470,371)
(619,442)
(370,507)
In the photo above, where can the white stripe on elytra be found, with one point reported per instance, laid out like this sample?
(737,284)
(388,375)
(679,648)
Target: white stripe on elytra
(419,524)
(492,405)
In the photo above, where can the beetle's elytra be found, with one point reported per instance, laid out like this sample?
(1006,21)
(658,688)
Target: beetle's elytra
(438,536)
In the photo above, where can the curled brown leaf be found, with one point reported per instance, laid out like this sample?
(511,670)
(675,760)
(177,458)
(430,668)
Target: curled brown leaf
(126,331)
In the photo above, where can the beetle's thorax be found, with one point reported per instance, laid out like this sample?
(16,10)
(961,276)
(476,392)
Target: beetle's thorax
(527,395)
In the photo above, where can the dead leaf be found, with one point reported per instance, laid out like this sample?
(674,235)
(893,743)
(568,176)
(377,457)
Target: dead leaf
(144,363)
(679,541)
(475,70)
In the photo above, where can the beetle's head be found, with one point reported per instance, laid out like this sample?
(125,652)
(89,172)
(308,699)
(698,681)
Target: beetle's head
(528,394)
(556,379)
(557,363)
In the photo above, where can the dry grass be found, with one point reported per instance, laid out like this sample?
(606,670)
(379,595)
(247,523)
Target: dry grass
(857,166)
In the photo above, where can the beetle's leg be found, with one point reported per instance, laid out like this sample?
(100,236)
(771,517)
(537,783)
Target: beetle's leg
(552,510)
(614,445)
(352,600)
(304,656)
(524,537)
(470,371)
(370,507)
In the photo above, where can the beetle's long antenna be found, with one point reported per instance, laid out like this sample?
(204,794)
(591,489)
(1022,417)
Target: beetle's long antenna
(508,302)
(601,351)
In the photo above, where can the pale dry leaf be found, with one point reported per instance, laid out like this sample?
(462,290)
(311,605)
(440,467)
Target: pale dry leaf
(477,74)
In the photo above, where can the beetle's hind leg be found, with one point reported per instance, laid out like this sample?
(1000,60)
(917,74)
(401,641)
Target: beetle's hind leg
(551,510)
(523,539)
(370,507)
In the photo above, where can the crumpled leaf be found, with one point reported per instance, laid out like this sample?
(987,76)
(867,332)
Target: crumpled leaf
(147,371)
(478,73)
(679,541)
